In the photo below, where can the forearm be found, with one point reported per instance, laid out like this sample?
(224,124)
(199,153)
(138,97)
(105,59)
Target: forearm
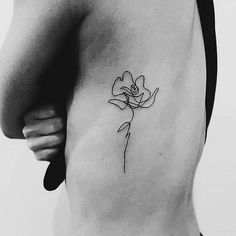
(36,35)
(19,80)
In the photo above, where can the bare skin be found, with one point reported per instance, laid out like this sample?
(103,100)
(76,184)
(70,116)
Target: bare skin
(161,40)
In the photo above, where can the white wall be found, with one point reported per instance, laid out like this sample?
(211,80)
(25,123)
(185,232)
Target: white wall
(215,183)
(26,209)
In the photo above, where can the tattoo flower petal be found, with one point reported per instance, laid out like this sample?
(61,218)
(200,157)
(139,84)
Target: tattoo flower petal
(140,84)
(123,84)
(121,104)
(151,100)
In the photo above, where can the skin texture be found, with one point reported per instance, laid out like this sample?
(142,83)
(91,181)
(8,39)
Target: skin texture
(79,48)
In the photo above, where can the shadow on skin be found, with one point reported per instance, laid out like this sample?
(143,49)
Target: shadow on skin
(57,87)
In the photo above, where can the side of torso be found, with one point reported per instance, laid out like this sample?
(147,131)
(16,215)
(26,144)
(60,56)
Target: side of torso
(161,40)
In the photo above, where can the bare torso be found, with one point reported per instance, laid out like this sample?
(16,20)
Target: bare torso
(161,40)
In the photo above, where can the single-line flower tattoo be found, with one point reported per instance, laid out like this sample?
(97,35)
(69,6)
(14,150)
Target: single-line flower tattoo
(133,95)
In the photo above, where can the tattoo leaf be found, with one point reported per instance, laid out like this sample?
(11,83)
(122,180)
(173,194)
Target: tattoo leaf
(123,126)
(121,104)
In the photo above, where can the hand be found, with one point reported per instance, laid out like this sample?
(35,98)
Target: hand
(44,132)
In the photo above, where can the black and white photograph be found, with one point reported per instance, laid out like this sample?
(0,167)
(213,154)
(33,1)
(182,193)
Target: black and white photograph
(117,118)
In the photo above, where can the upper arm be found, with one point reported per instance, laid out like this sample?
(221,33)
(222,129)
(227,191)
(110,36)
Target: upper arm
(38,30)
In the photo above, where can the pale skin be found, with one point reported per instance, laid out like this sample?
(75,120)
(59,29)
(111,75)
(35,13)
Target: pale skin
(81,47)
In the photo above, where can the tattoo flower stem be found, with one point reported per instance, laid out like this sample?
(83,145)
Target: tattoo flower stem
(122,127)
(131,94)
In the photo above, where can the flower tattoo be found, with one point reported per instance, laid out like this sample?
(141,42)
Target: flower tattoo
(133,95)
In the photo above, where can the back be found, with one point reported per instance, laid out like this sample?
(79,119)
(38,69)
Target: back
(136,118)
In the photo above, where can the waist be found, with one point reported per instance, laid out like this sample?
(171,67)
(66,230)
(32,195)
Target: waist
(160,160)
(129,167)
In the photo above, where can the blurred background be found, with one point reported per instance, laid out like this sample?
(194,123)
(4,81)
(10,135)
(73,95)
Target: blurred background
(26,209)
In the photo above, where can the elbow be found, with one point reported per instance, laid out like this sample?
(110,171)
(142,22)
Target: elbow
(5,130)
(10,128)
(11,122)
(12,134)
(7,134)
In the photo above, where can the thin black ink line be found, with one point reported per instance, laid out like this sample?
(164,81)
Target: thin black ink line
(110,101)
(128,134)
(121,79)
(133,92)
(127,142)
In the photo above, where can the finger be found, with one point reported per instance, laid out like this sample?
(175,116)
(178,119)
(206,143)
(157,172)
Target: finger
(43,127)
(46,154)
(41,112)
(44,142)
